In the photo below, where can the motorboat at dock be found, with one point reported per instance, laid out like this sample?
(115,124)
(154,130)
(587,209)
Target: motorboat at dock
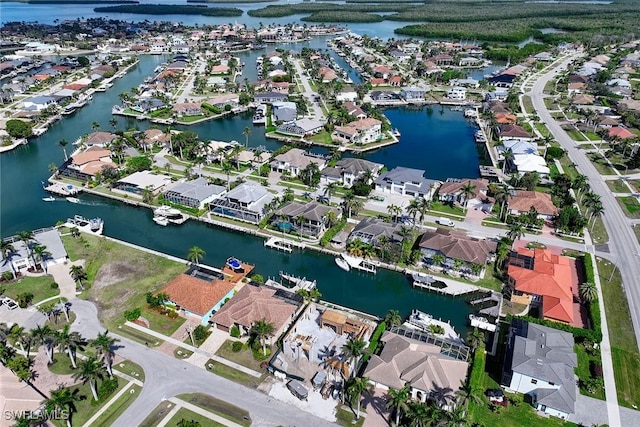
(342,263)
(92,226)
(172,215)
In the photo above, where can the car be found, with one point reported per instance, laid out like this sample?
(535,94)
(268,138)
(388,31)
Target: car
(495,395)
(11,304)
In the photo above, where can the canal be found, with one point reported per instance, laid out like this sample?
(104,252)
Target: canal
(424,134)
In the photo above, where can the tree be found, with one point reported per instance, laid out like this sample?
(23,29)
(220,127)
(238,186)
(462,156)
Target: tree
(70,341)
(227,168)
(89,371)
(63,143)
(466,393)
(353,349)
(394,211)
(246,132)
(19,129)
(40,255)
(7,251)
(330,190)
(78,274)
(95,126)
(113,123)
(588,291)
(398,401)
(467,191)
(63,399)
(355,387)
(26,237)
(475,339)
(139,164)
(17,335)
(392,318)
(413,209)
(516,231)
(262,330)
(43,335)
(196,254)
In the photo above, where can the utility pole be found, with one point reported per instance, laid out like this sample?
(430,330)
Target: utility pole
(190,332)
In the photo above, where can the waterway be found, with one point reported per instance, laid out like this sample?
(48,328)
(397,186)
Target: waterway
(424,134)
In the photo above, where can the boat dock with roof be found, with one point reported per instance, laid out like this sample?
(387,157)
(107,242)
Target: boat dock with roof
(283,244)
(64,190)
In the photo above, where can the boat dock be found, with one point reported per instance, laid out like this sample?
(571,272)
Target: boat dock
(441,285)
(482,323)
(283,244)
(299,282)
(361,264)
(426,323)
(92,226)
(64,190)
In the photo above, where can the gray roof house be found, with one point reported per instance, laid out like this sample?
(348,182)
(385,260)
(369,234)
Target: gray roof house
(295,160)
(196,193)
(406,181)
(348,170)
(19,258)
(313,216)
(370,230)
(540,362)
(269,97)
(246,203)
(285,111)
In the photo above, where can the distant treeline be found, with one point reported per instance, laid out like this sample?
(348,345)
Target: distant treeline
(77,1)
(171,9)
(279,11)
(230,1)
(342,16)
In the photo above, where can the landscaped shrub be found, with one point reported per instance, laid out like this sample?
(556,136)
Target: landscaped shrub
(235,332)
(338,226)
(24,299)
(54,285)
(200,333)
(7,275)
(236,347)
(596,369)
(132,314)
(554,152)
(106,388)
(172,314)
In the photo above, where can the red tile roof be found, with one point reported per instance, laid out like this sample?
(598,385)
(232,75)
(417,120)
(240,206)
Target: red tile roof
(197,295)
(523,201)
(621,133)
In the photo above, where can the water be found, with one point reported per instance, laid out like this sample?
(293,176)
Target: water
(21,207)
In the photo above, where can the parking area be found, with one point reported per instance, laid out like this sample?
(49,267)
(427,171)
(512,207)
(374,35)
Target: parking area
(27,317)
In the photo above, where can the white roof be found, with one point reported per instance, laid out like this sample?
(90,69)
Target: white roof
(146,179)
(531,163)
(309,125)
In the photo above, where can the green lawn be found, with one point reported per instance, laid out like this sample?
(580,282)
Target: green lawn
(624,348)
(576,135)
(161,323)
(218,407)
(630,206)
(583,369)
(86,407)
(601,164)
(617,186)
(132,369)
(138,336)
(157,415)
(233,374)
(542,128)
(322,137)
(112,413)
(527,104)
(598,232)
(592,136)
(244,357)
(40,287)
(439,208)
(125,274)
(568,167)
(185,414)
(61,364)
(346,418)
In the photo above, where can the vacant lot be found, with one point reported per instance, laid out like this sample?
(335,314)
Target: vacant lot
(630,206)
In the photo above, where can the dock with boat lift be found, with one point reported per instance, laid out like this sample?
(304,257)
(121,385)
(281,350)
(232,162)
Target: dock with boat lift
(298,282)
(361,264)
(64,190)
(283,245)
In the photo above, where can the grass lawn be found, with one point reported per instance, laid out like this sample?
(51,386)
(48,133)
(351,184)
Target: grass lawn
(86,408)
(527,104)
(244,357)
(592,136)
(116,285)
(61,364)
(161,323)
(624,349)
(568,167)
(583,371)
(346,418)
(630,206)
(598,232)
(40,287)
(61,321)
(576,135)
(442,208)
(601,164)
(218,407)
(542,129)
(181,353)
(185,414)
(138,336)
(158,414)
(132,369)
(617,186)
(116,409)
(233,374)
(322,137)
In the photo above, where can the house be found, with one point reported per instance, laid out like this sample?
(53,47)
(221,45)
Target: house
(457,246)
(156,137)
(522,201)
(195,296)
(220,69)
(99,139)
(424,367)
(223,100)
(305,218)
(524,163)
(513,131)
(469,83)
(246,202)
(38,103)
(269,97)
(187,109)
(361,131)
(347,96)
(540,363)
(620,132)
(294,161)
(148,105)
(139,182)
(457,92)
(253,303)
(350,170)
(327,74)
(452,190)
(372,230)
(540,278)
(285,111)
(21,259)
(195,193)
(607,123)
(301,128)
(354,110)
(581,99)
(87,164)
(406,181)
(575,88)
(518,147)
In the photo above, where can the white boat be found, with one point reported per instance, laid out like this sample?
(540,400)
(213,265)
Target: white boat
(161,220)
(396,133)
(93,225)
(342,263)
(73,200)
(49,199)
(167,212)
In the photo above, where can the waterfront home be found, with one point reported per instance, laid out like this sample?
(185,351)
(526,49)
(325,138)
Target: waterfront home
(505,118)
(498,94)
(327,75)
(347,95)
(349,170)
(156,137)
(469,83)
(517,147)
(426,365)
(246,202)
(521,202)
(294,161)
(305,218)
(361,131)
(458,93)
(258,302)
(224,99)
(285,111)
(198,297)
(99,139)
(452,190)
(541,279)
(354,110)
(301,128)
(86,164)
(540,362)
(460,251)
(38,103)
(269,97)
(524,163)
(382,71)
(220,69)
(384,96)
(177,65)
(185,109)
(513,131)
(21,258)
(412,93)
(148,105)
(372,231)
(407,182)
(194,194)
(139,182)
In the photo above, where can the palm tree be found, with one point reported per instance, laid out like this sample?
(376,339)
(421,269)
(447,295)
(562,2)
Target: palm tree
(516,231)
(227,168)
(475,339)
(467,191)
(70,341)
(89,371)
(508,157)
(196,254)
(104,345)
(26,237)
(466,394)
(43,335)
(331,218)
(95,126)
(7,251)
(78,274)
(501,194)
(330,190)
(354,247)
(63,143)
(394,211)
(64,400)
(596,211)
(16,336)
(588,291)
(398,401)
(353,349)
(246,132)
(355,387)
(40,254)
(413,209)
(113,123)
(392,318)
(263,330)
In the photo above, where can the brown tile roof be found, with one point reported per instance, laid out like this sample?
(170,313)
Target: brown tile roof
(253,303)
(458,245)
(455,186)
(523,201)
(100,138)
(197,295)
(91,154)
(514,131)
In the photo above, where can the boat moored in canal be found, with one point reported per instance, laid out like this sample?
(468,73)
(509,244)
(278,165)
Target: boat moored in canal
(342,263)
(92,226)
(172,215)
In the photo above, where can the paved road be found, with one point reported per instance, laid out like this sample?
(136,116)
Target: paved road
(166,377)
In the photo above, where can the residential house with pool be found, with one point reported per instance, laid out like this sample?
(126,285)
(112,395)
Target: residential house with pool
(294,161)
(139,182)
(349,170)
(406,182)
(196,193)
(84,165)
(246,203)
(362,131)
(311,219)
